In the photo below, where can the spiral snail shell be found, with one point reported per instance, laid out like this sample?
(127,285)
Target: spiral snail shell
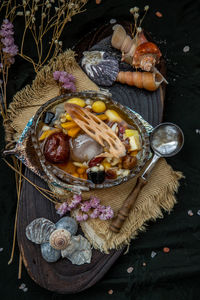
(59,239)
(138,52)
(143,80)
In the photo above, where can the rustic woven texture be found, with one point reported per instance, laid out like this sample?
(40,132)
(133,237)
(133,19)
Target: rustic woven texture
(156,196)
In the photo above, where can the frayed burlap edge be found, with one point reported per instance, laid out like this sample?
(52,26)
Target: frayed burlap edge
(143,212)
(42,89)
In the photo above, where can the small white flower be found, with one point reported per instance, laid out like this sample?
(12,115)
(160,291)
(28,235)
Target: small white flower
(36,8)
(20,13)
(24,2)
(136,16)
(56,8)
(56,41)
(33,19)
(27,13)
(43,15)
(146,7)
(47,2)
(139,29)
(60,43)
(136,9)
(48,5)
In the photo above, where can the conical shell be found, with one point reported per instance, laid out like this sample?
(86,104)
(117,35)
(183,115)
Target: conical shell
(79,251)
(67,223)
(50,254)
(100,67)
(39,230)
(118,37)
(59,239)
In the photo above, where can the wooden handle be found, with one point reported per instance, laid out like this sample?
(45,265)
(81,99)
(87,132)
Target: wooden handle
(123,213)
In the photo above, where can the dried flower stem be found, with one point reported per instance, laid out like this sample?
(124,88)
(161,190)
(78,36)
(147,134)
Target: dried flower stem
(20,267)
(38,188)
(18,183)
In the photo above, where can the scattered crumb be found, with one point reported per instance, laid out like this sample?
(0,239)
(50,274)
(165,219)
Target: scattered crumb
(153,254)
(144,264)
(159,14)
(197,131)
(1,249)
(186,49)
(113,21)
(25,289)
(198,212)
(22,286)
(130,270)
(98,1)
(110,292)
(166,249)
(190,213)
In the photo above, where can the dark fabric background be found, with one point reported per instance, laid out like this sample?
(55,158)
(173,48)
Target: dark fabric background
(173,275)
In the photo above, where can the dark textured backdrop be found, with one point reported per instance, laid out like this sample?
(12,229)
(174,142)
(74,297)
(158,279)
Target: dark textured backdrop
(174,275)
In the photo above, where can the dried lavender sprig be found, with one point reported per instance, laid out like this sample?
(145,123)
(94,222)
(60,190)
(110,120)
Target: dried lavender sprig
(67,80)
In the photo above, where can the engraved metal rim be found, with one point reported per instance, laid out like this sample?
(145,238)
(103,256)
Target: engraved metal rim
(53,171)
(178,148)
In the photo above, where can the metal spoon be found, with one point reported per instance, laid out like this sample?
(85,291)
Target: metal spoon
(166,140)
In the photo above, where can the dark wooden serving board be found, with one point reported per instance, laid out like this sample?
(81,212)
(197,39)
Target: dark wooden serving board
(62,276)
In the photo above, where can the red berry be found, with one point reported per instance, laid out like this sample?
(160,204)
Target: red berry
(95,161)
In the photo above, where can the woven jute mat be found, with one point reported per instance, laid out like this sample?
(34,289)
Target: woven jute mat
(157,196)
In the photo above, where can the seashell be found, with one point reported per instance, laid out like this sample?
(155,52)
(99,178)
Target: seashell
(39,230)
(142,80)
(79,251)
(138,52)
(146,56)
(59,239)
(100,67)
(50,254)
(123,42)
(67,223)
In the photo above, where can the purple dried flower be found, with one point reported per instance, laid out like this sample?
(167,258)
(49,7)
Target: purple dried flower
(8,41)
(6,34)
(82,217)
(94,214)
(56,75)
(94,202)
(63,79)
(66,79)
(85,206)
(63,208)
(12,50)
(106,213)
(77,199)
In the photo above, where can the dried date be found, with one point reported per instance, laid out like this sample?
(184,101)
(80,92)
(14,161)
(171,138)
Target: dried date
(56,148)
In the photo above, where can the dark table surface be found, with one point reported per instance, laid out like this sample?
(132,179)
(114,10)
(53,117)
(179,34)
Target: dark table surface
(173,275)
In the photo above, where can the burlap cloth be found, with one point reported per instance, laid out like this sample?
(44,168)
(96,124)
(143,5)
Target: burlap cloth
(156,196)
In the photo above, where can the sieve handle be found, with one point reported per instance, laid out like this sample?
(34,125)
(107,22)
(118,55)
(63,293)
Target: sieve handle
(123,213)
